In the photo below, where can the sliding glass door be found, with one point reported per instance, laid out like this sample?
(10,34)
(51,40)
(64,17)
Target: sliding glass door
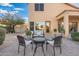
(40,27)
(72,27)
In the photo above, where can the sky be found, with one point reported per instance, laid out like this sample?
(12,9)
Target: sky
(76,4)
(18,8)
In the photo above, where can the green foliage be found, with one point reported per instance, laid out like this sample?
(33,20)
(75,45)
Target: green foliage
(28,33)
(2,27)
(61,30)
(20,21)
(2,35)
(75,36)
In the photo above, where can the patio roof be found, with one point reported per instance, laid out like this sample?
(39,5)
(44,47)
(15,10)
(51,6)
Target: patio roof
(67,11)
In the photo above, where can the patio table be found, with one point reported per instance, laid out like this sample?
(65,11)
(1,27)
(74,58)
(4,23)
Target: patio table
(39,41)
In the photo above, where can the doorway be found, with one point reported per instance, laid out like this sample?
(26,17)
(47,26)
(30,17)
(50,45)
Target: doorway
(39,28)
(72,27)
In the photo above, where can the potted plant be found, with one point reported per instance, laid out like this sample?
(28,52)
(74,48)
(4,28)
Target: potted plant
(62,31)
(28,33)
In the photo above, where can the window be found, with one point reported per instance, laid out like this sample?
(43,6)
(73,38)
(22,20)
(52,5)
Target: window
(32,26)
(39,7)
(47,25)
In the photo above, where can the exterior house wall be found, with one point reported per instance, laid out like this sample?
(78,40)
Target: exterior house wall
(21,28)
(51,10)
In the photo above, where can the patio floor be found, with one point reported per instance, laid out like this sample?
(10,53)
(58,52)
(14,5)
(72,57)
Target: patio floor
(9,48)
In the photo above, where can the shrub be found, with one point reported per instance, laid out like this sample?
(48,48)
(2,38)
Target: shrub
(28,33)
(75,36)
(2,35)
(2,27)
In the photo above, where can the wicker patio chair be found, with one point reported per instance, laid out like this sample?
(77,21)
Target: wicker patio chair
(56,42)
(22,42)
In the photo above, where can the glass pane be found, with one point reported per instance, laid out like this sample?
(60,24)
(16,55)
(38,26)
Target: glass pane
(72,27)
(41,7)
(47,27)
(37,7)
(32,26)
(39,28)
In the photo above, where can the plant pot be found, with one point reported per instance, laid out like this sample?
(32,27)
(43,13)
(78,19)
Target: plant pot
(28,36)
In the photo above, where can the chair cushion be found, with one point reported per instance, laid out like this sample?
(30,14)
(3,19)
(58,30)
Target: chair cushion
(27,42)
(51,42)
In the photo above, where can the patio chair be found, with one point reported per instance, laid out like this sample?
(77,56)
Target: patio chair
(22,42)
(57,43)
(48,38)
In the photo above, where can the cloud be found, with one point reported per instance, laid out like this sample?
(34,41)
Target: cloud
(13,12)
(18,9)
(6,4)
(3,11)
(26,18)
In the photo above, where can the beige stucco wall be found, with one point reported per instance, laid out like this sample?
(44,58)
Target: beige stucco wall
(21,28)
(51,10)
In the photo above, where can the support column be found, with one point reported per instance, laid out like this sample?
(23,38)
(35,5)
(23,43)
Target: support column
(78,26)
(66,25)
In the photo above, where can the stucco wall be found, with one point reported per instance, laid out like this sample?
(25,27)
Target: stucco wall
(51,10)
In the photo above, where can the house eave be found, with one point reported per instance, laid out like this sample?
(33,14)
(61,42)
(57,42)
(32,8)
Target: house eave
(65,11)
(72,5)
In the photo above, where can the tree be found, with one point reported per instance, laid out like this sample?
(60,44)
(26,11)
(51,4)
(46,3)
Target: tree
(11,20)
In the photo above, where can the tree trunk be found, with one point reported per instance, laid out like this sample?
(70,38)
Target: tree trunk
(13,28)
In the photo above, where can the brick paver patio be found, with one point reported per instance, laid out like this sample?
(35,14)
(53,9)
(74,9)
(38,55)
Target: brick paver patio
(9,48)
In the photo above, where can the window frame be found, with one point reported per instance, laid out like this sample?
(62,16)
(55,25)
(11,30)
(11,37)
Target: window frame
(39,6)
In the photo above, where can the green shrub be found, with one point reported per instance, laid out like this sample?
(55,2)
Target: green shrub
(2,27)
(2,35)
(75,36)
(28,33)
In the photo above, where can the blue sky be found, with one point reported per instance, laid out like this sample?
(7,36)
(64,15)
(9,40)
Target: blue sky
(18,8)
